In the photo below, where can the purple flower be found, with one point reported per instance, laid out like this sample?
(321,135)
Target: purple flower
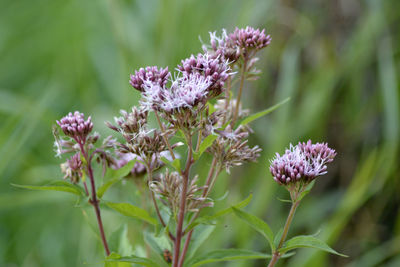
(231,46)
(250,38)
(73,168)
(75,126)
(151,74)
(212,68)
(303,162)
(185,92)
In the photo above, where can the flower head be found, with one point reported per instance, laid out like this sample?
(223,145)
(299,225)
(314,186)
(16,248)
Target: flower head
(250,38)
(303,162)
(169,188)
(150,74)
(131,122)
(75,126)
(211,68)
(73,168)
(231,46)
(185,92)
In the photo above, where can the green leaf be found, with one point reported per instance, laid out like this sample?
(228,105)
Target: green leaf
(306,191)
(210,219)
(200,234)
(121,172)
(239,205)
(257,224)
(284,200)
(175,164)
(262,113)
(102,189)
(61,186)
(119,242)
(158,245)
(115,258)
(278,237)
(307,241)
(227,255)
(206,143)
(130,210)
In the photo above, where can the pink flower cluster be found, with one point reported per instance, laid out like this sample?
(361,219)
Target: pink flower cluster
(303,162)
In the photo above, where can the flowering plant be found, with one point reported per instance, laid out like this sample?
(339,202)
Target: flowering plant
(196,111)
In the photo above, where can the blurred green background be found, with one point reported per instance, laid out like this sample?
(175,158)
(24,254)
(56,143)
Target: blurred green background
(338,60)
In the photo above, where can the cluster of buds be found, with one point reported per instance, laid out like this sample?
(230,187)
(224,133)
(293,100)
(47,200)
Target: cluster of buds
(303,162)
(232,148)
(81,141)
(169,189)
(212,68)
(130,123)
(149,74)
(72,168)
(139,140)
(241,42)
(75,126)
(228,107)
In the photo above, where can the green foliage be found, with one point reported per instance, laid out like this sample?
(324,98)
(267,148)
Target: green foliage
(132,211)
(227,255)
(339,63)
(61,186)
(116,176)
(210,219)
(175,164)
(114,260)
(257,224)
(307,241)
(260,114)
(206,143)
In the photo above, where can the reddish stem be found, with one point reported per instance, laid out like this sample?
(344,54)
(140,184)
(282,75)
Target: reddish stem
(181,215)
(93,200)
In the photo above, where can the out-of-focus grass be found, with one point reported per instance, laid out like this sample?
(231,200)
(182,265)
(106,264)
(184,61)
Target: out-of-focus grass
(337,60)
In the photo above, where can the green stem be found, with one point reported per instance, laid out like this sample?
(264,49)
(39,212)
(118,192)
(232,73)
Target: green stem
(242,76)
(276,255)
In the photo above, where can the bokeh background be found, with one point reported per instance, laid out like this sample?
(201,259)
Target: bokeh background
(337,60)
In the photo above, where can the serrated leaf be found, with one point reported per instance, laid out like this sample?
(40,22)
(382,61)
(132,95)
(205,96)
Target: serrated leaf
(257,224)
(61,186)
(227,255)
(130,210)
(206,143)
(307,241)
(115,258)
(175,164)
(260,114)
